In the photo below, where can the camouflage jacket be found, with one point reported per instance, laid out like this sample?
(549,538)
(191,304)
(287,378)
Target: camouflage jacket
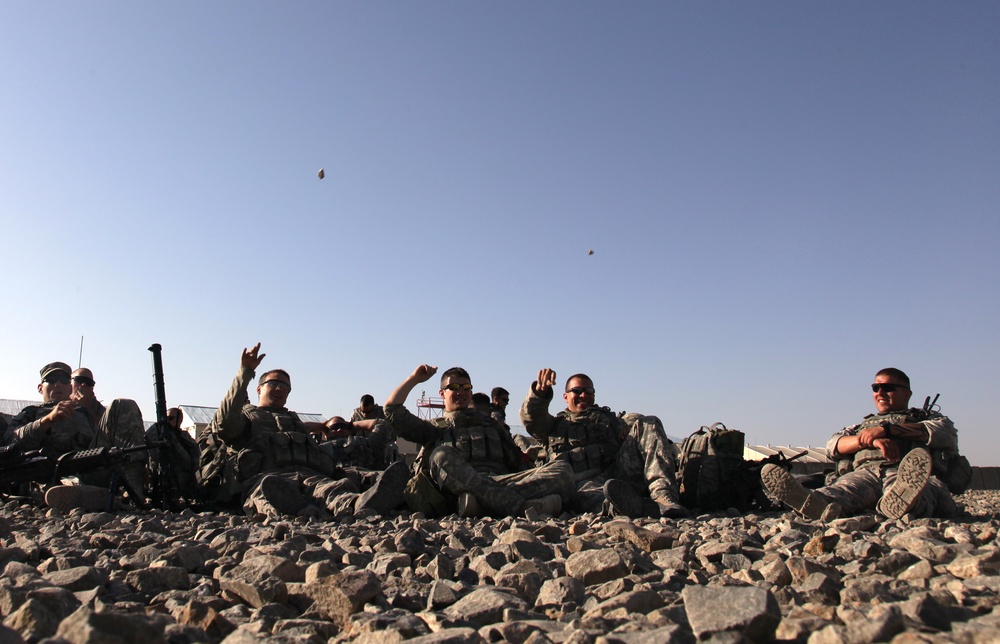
(67,435)
(483,442)
(375,413)
(942,439)
(589,440)
(262,439)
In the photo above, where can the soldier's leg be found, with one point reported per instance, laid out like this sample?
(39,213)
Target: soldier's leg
(938,500)
(555,477)
(450,472)
(275,495)
(856,492)
(121,426)
(905,487)
(646,462)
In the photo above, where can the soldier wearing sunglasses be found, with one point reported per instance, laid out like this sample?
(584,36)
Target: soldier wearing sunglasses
(266,459)
(469,458)
(895,462)
(69,419)
(622,467)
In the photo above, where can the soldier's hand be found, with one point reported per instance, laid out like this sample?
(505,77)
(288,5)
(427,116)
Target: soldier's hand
(889,449)
(61,411)
(250,360)
(546,379)
(869,435)
(423,373)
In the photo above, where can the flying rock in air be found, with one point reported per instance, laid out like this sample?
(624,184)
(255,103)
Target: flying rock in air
(321,174)
(590,252)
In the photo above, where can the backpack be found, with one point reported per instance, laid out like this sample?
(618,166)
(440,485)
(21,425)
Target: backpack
(711,473)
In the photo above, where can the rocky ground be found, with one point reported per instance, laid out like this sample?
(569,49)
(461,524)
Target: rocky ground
(186,577)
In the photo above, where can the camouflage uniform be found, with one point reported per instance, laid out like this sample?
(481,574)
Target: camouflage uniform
(375,412)
(118,425)
(468,451)
(600,446)
(862,477)
(246,444)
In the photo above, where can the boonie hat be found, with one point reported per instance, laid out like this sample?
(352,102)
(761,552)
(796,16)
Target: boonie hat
(55,366)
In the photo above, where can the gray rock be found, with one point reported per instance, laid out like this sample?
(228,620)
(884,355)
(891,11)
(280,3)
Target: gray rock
(596,566)
(748,610)
(483,606)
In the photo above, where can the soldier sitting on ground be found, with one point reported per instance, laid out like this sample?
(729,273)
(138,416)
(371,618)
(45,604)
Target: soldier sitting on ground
(896,462)
(71,418)
(621,468)
(264,457)
(470,457)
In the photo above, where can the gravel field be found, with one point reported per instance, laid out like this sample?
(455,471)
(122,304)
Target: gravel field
(186,577)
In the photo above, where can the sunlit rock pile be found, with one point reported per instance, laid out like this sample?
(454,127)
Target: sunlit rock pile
(99,577)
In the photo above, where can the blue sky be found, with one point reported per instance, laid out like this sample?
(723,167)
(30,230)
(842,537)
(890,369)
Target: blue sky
(781,198)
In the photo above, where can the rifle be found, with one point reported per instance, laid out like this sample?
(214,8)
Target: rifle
(18,466)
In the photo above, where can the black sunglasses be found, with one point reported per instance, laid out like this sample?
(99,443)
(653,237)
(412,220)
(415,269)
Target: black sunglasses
(887,387)
(56,378)
(580,390)
(83,380)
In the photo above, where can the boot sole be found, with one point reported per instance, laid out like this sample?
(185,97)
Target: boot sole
(784,487)
(911,479)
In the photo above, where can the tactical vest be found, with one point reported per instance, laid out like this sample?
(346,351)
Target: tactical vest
(476,437)
(872,457)
(274,440)
(278,439)
(587,441)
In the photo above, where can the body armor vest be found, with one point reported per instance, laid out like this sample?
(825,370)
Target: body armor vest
(476,437)
(588,440)
(277,439)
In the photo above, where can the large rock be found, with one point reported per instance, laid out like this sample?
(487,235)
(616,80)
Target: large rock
(749,610)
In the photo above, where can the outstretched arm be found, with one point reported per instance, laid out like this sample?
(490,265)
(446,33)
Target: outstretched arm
(229,421)
(423,373)
(534,413)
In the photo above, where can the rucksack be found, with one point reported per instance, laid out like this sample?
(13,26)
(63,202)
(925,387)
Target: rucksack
(711,473)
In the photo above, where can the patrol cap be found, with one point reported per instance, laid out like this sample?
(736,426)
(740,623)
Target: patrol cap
(55,366)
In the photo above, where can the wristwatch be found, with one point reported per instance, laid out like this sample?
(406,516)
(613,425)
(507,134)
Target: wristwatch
(887,426)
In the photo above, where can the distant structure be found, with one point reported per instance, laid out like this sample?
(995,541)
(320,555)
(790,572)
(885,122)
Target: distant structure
(428,408)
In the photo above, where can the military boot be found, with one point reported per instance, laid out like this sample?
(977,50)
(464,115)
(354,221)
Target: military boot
(911,478)
(623,500)
(783,487)
(550,505)
(669,506)
(387,493)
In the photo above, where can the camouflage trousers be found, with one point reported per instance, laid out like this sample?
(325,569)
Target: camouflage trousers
(645,460)
(297,489)
(120,426)
(502,494)
(859,491)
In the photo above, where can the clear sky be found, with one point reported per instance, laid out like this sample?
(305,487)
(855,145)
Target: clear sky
(782,198)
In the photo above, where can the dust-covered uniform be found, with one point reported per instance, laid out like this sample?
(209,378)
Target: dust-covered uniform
(468,451)
(600,445)
(864,476)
